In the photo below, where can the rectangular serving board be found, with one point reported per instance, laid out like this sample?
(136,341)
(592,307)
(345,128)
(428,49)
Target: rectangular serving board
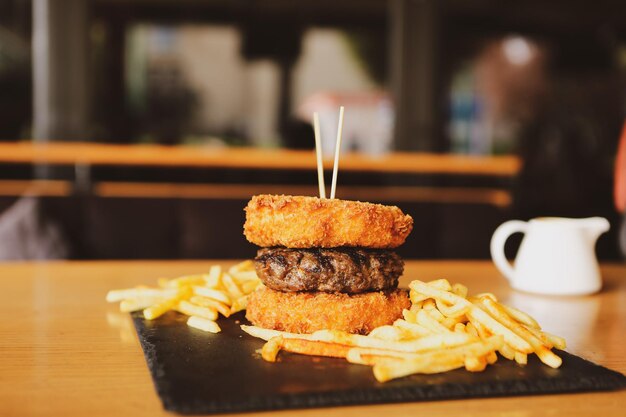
(202,373)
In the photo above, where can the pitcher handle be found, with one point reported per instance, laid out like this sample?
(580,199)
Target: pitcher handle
(498,240)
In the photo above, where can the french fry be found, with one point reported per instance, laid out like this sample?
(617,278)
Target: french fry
(215,290)
(410,315)
(185,281)
(204,324)
(392,333)
(267,334)
(231,286)
(450,322)
(216,295)
(247,265)
(548,357)
(491,357)
(545,355)
(521,358)
(333,336)
(211,303)
(471,329)
(475,363)
(136,304)
(433,292)
(431,342)
(416,297)
(435,361)
(460,290)
(548,339)
(495,327)
(361,356)
(115,296)
(483,333)
(475,349)
(520,316)
(244,276)
(416,307)
(486,295)
(303,346)
(441,284)
(190,309)
(270,349)
(412,330)
(315,348)
(249,286)
(434,313)
(453,311)
(385,370)
(428,304)
(507,351)
(370,356)
(158,310)
(428,321)
(213,278)
(239,304)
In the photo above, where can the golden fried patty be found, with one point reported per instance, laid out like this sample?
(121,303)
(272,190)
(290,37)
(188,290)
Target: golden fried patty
(308,222)
(306,312)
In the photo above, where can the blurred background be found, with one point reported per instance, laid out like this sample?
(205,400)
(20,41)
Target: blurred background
(138,129)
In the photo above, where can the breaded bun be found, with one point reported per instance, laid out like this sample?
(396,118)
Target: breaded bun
(311,222)
(306,312)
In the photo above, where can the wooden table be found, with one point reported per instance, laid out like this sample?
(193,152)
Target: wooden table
(64,351)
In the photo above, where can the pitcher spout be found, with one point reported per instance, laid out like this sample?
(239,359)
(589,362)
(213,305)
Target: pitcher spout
(595,226)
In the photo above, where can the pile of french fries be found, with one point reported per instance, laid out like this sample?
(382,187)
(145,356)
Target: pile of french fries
(444,329)
(202,297)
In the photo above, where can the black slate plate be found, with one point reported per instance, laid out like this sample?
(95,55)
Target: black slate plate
(199,373)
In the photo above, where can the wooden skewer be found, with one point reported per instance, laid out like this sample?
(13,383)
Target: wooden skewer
(318,151)
(337,149)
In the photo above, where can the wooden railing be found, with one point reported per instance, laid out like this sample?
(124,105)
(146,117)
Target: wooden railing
(61,153)
(85,155)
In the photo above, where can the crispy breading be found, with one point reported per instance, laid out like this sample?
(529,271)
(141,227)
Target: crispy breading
(308,222)
(306,312)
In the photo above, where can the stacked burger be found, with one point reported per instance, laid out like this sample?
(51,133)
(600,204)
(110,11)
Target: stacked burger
(326,263)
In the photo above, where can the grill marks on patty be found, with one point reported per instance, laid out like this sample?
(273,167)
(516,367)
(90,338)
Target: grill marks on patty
(345,270)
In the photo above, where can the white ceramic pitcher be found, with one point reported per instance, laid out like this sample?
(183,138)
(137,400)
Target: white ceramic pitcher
(557,255)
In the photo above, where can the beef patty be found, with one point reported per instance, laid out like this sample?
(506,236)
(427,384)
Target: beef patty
(345,270)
